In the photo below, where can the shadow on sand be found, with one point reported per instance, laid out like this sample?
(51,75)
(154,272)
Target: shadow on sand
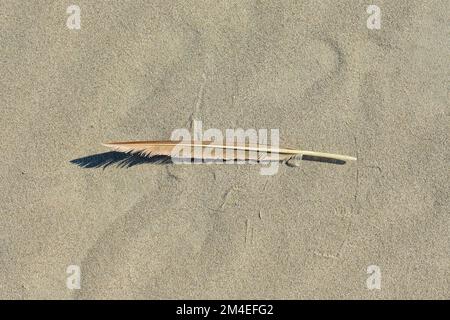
(127,160)
(118,159)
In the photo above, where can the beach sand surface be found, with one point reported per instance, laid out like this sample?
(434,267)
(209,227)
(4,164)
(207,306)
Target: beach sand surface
(137,70)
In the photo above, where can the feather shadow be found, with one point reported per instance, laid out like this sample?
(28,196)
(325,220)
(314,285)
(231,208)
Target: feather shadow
(323,159)
(128,160)
(118,159)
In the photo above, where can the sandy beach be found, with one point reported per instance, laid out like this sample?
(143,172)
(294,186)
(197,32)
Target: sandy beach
(137,70)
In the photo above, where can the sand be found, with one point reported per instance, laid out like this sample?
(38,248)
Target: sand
(140,69)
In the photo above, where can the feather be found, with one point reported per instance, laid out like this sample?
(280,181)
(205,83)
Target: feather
(211,150)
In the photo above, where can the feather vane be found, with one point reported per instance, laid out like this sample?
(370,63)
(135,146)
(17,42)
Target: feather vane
(211,150)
